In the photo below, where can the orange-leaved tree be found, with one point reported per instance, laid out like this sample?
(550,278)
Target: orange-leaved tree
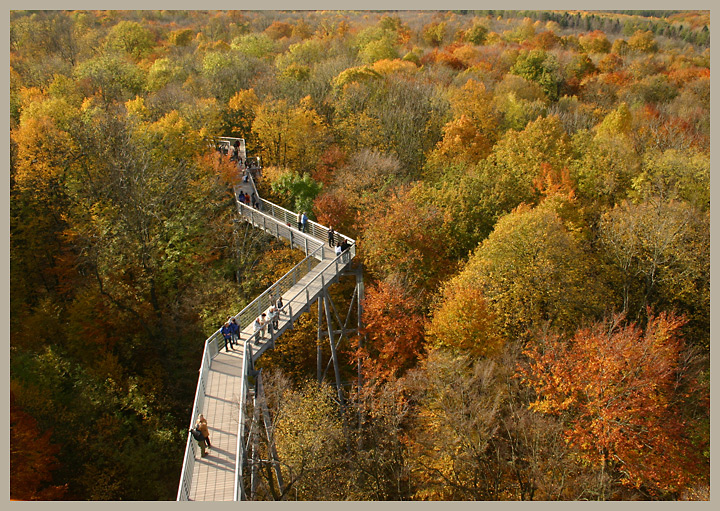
(393,328)
(620,390)
(32,458)
(407,236)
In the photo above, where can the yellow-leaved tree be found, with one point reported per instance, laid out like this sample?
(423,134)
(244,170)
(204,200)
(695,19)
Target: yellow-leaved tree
(533,271)
(290,136)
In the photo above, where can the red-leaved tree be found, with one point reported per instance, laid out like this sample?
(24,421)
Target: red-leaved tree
(620,390)
(393,329)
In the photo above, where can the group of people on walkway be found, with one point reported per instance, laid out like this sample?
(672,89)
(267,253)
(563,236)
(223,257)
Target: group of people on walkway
(302,221)
(249,200)
(340,247)
(231,332)
(268,321)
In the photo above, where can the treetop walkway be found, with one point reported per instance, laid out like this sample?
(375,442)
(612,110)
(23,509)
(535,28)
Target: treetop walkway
(224,383)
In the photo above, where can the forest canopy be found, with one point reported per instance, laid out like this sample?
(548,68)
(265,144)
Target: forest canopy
(529,192)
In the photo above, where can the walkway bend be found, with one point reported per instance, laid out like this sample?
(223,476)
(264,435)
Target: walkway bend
(223,376)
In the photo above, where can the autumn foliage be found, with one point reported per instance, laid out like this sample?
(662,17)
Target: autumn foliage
(393,329)
(33,457)
(619,387)
(512,179)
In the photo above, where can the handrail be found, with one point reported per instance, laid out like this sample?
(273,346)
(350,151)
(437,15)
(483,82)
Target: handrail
(346,256)
(216,341)
(297,238)
(238,493)
(317,230)
(186,475)
(313,246)
(282,285)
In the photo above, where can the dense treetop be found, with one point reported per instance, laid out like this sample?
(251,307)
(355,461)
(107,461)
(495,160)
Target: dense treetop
(529,191)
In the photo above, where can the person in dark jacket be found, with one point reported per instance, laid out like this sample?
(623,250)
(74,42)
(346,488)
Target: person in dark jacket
(226,330)
(331,236)
(235,333)
(343,248)
(200,439)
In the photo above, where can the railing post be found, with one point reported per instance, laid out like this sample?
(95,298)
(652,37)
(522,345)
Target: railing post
(306,246)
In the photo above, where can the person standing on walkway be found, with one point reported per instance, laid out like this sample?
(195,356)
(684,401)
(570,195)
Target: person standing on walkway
(259,326)
(279,305)
(203,428)
(304,220)
(263,324)
(235,330)
(331,236)
(300,225)
(343,249)
(238,158)
(273,319)
(200,439)
(226,330)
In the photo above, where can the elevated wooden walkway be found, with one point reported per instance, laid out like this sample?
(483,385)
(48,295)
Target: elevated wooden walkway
(220,392)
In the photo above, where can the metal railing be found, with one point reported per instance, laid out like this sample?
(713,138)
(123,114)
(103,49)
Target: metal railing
(271,225)
(290,219)
(326,276)
(239,489)
(216,342)
(263,302)
(211,349)
(278,221)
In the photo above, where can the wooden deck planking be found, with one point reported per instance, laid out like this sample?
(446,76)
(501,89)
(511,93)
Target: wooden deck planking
(214,476)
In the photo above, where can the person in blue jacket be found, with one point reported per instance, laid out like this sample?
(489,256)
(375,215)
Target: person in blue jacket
(235,332)
(226,330)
